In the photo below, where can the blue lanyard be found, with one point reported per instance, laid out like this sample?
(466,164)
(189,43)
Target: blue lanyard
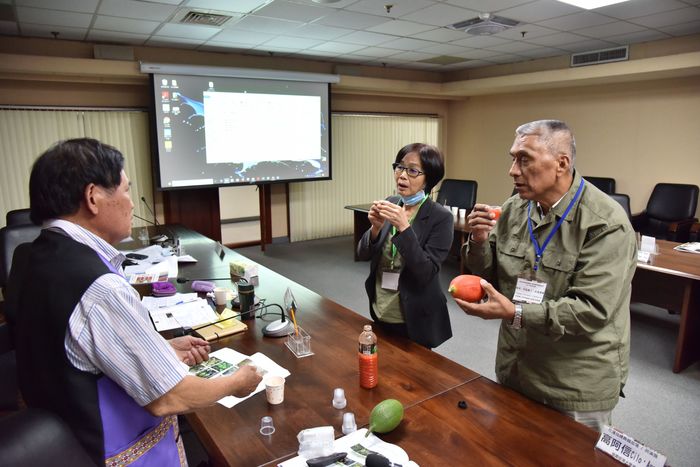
(393,231)
(539,250)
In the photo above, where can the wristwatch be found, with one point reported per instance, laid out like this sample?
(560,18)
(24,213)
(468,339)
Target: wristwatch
(517,318)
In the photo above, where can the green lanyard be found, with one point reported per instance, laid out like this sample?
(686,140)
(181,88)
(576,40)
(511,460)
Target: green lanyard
(393,231)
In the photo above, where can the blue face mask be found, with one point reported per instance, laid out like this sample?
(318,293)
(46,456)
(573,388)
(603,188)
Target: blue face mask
(413,199)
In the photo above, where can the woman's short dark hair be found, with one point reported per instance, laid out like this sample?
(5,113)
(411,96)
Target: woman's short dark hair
(59,176)
(430,158)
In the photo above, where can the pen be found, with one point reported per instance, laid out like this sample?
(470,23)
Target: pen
(294,320)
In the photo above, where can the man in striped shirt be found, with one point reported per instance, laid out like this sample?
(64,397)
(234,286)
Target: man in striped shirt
(86,348)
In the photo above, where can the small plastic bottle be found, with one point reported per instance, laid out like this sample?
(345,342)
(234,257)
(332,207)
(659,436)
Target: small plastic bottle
(367,357)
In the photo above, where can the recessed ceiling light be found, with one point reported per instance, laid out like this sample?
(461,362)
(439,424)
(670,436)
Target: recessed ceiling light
(592,4)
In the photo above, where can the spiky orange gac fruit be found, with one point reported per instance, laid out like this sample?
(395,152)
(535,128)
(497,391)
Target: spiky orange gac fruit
(467,287)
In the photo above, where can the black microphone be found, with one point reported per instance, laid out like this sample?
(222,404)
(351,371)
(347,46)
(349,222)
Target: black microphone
(150,210)
(377,460)
(143,219)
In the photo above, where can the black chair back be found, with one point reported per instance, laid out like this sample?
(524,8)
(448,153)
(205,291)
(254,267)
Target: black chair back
(673,202)
(37,437)
(10,238)
(624,201)
(18,217)
(604,184)
(459,193)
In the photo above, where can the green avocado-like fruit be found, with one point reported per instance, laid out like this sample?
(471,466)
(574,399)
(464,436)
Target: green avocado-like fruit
(385,416)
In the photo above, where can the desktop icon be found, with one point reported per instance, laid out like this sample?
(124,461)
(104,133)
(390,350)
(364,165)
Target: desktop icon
(166,108)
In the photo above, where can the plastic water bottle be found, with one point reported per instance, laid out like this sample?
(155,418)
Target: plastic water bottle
(367,357)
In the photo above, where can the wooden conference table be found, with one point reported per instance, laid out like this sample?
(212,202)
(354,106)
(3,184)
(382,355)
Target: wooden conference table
(499,426)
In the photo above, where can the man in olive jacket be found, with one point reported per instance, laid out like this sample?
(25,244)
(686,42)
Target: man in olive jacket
(560,260)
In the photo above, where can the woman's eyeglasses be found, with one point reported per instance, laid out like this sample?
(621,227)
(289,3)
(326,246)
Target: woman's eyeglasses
(410,171)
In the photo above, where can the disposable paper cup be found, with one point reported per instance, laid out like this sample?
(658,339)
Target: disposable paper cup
(274,389)
(220,295)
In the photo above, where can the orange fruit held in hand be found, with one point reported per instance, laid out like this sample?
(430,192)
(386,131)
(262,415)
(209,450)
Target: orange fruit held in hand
(496,212)
(467,287)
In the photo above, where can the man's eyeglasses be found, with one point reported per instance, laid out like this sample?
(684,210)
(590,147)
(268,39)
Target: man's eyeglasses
(410,171)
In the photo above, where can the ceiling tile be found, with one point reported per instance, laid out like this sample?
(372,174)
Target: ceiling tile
(226,47)
(412,56)
(267,25)
(633,38)
(505,58)
(399,8)
(669,18)
(636,8)
(169,2)
(539,11)
(195,33)
(113,36)
(8,28)
(692,27)
(559,38)
(366,38)
(293,11)
(441,15)
(443,49)
(401,28)
(440,35)
(337,5)
(276,50)
(610,29)
(135,26)
(337,47)
(64,32)
(474,54)
(512,47)
(375,52)
(408,44)
(531,30)
(241,37)
(53,17)
(82,6)
(351,20)
(489,6)
(542,52)
(138,10)
(317,31)
(237,6)
(586,45)
(576,21)
(293,42)
(478,42)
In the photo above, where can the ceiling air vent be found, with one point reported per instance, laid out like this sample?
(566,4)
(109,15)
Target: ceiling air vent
(485,25)
(595,57)
(205,19)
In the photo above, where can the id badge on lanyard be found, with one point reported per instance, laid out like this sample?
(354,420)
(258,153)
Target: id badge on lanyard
(390,279)
(529,290)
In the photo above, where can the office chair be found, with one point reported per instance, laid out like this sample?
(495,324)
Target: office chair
(18,217)
(670,212)
(604,184)
(624,201)
(10,237)
(9,390)
(459,193)
(38,437)
(694,233)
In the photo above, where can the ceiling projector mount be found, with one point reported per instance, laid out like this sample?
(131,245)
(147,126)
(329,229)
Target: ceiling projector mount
(485,24)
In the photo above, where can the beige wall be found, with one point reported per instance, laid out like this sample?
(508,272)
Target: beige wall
(638,133)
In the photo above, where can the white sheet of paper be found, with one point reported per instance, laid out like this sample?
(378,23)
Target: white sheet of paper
(186,259)
(153,303)
(190,314)
(262,361)
(648,244)
(529,291)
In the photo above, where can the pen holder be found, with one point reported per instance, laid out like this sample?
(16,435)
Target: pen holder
(299,343)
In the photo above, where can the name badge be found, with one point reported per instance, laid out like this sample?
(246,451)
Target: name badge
(529,291)
(390,280)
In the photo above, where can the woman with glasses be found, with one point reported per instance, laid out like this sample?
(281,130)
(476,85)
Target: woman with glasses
(409,238)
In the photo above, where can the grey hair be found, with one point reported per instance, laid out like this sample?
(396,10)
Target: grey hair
(546,130)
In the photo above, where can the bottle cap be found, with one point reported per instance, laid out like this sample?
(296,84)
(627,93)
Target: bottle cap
(349,424)
(339,401)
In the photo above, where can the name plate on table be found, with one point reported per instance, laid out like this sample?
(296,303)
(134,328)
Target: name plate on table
(628,451)
(643,256)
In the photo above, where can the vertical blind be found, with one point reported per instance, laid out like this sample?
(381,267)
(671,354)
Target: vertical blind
(363,148)
(25,134)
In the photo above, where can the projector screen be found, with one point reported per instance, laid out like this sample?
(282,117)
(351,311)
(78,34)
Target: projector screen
(223,131)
